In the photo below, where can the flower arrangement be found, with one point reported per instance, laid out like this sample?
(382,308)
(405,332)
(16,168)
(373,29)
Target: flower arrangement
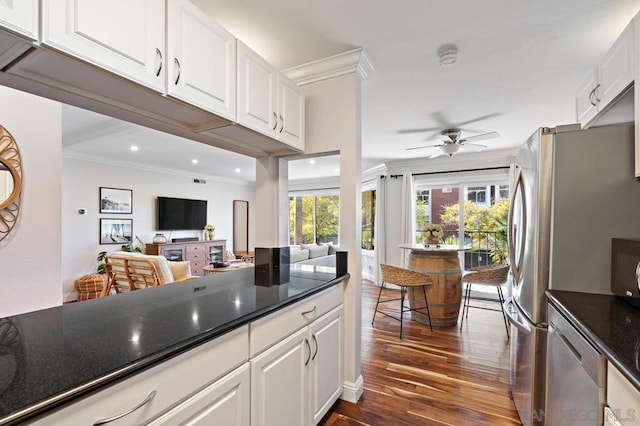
(432,233)
(209,230)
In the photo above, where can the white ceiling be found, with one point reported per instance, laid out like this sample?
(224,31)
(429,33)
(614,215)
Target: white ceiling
(519,65)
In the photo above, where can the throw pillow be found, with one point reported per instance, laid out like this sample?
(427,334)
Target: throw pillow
(333,249)
(318,251)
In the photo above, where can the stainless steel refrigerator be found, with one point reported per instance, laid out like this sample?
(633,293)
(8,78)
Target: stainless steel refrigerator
(575,190)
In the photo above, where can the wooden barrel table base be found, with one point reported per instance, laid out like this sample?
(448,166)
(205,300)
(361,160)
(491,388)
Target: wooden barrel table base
(445,292)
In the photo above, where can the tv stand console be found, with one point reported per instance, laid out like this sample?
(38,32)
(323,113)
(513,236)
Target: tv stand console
(199,253)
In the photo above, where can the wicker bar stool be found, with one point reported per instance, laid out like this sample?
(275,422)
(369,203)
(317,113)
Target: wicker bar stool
(491,275)
(404,278)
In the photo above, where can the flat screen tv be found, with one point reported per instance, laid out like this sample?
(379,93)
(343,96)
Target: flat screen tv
(181,214)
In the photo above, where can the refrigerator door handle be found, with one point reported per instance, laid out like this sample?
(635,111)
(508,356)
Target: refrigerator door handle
(516,258)
(512,315)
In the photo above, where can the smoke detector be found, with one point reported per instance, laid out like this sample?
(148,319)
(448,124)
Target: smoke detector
(448,55)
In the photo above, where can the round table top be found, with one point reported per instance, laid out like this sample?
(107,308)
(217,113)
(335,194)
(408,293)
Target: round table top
(431,247)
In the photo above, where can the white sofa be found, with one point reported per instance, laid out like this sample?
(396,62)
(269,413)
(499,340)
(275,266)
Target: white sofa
(313,254)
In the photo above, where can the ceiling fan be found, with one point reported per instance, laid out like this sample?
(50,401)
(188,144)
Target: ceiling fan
(451,142)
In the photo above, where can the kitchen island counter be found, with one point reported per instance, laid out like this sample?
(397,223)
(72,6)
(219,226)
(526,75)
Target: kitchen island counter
(53,356)
(609,323)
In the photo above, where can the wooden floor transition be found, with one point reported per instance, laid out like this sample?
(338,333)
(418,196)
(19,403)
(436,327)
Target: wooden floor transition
(444,377)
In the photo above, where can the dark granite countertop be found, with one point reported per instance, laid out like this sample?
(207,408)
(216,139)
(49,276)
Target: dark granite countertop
(52,356)
(611,324)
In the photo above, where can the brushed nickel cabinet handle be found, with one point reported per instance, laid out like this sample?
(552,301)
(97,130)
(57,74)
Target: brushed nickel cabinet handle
(595,93)
(281,124)
(126,413)
(315,340)
(591,101)
(309,356)
(309,311)
(275,120)
(177,62)
(159,53)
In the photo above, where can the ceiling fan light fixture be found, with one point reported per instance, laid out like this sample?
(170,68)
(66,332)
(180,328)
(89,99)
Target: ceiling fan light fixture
(448,55)
(450,148)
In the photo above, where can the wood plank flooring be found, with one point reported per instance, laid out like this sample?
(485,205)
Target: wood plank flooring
(444,377)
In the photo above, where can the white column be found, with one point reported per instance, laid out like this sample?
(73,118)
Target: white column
(272,202)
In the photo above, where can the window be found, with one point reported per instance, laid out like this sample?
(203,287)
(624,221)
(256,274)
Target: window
(484,215)
(368,219)
(314,219)
(477,194)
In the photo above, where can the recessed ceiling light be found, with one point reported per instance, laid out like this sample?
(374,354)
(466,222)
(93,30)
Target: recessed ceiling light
(133,148)
(336,170)
(237,170)
(194,161)
(312,161)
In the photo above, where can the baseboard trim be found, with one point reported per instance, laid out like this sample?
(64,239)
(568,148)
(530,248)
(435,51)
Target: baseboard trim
(353,391)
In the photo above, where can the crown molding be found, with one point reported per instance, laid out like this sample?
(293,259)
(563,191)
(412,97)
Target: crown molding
(355,60)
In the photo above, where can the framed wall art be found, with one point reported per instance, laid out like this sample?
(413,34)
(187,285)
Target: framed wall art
(116,231)
(116,201)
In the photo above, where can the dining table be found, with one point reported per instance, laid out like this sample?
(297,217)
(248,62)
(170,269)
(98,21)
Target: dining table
(441,263)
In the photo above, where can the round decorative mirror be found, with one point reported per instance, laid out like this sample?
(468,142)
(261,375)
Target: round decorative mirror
(10,182)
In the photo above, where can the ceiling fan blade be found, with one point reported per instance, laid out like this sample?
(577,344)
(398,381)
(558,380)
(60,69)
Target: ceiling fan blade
(421,147)
(410,131)
(482,137)
(473,144)
(484,117)
(473,147)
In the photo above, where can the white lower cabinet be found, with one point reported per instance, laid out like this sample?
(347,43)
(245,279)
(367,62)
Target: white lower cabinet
(296,381)
(326,363)
(623,400)
(148,395)
(279,383)
(225,402)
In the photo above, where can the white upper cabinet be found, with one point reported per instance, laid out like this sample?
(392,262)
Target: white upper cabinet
(201,58)
(19,20)
(257,95)
(615,70)
(614,73)
(20,17)
(268,102)
(126,37)
(291,111)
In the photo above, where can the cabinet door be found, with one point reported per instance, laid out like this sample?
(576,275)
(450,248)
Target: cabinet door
(126,37)
(257,92)
(225,402)
(291,106)
(201,60)
(326,363)
(279,383)
(623,398)
(20,16)
(615,71)
(586,105)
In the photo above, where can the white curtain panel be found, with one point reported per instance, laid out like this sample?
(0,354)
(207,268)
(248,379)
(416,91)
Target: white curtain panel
(380,226)
(408,214)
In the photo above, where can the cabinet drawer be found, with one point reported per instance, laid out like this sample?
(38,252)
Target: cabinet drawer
(173,381)
(195,249)
(273,328)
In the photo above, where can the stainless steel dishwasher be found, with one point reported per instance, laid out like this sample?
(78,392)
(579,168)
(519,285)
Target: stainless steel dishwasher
(576,376)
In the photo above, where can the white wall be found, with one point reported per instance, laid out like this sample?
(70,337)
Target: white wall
(30,271)
(81,181)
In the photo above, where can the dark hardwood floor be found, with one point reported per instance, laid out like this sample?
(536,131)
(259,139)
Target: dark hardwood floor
(444,377)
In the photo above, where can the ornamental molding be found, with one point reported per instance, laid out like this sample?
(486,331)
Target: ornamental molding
(355,60)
